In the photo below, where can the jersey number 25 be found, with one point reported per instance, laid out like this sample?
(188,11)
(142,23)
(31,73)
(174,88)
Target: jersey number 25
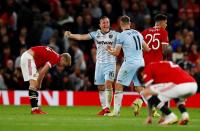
(154,40)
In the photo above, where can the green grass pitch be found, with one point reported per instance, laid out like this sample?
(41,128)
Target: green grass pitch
(18,118)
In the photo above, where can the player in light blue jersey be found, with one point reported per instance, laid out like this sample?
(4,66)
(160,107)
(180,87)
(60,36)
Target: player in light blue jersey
(132,43)
(105,69)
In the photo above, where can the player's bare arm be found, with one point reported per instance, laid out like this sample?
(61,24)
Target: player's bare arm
(42,73)
(68,34)
(164,50)
(145,47)
(114,51)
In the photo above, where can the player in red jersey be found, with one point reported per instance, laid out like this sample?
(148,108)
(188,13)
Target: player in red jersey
(35,62)
(157,39)
(167,81)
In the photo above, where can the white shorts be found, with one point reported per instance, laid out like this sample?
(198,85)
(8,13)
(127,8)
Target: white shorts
(104,72)
(168,91)
(127,73)
(28,67)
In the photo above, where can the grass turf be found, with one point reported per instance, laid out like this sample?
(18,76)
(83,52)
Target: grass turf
(18,118)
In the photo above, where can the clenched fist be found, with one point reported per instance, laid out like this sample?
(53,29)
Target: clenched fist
(67,34)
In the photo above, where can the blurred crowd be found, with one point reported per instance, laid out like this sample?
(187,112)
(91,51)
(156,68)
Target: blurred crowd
(27,23)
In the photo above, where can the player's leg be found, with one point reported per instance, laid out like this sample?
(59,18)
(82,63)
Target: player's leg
(159,102)
(30,74)
(162,116)
(168,115)
(108,93)
(110,71)
(184,90)
(100,81)
(124,78)
(137,103)
(180,103)
(102,99)
(118,95)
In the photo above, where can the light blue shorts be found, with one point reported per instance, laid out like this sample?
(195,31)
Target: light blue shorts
(103,72)
(127,73)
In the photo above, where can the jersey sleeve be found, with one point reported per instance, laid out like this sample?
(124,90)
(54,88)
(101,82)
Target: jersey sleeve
(92,34)
(164,37)
(141,37)
(120,40)
(53,57)
(115,40)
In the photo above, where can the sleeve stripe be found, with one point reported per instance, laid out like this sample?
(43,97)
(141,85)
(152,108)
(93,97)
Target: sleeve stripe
(49,64)
(90,35)
(164,43)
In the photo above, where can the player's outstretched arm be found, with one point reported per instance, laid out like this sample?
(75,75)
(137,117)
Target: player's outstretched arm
(68,34)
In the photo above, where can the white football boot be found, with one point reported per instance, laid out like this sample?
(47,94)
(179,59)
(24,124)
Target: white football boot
(170,119)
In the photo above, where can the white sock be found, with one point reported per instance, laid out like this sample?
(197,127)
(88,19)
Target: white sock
(108,97)
(34,108)
(185,115)
(102,99)
(117,101)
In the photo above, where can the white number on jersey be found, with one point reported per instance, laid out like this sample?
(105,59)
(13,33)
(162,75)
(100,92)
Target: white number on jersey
(173,65)
(153,39)
(50,50)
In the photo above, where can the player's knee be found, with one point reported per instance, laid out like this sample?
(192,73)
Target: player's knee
(118,87)
(101,87)
(179,101)
(33,85)
(108,84)
(139,88)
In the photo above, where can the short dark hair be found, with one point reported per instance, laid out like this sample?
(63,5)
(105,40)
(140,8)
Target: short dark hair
(160,17)
(125,19)
(103,17)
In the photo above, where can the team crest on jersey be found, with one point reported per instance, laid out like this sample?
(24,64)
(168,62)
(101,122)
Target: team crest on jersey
(125,73)
(110,36)
(98,35)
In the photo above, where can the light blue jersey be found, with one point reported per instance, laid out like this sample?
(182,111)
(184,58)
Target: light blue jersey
(101,41)
(106,63)
(131,43)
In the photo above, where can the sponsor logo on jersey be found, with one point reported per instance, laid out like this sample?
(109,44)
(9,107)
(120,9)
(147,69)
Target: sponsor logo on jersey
(104,42)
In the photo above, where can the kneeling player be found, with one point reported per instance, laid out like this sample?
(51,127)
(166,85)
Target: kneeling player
(167,81)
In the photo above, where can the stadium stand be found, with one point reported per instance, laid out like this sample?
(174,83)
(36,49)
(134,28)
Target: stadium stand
(27,23)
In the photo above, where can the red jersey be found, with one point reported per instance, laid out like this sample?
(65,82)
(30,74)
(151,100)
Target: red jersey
(164,72)
(43,54)
(155,37)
